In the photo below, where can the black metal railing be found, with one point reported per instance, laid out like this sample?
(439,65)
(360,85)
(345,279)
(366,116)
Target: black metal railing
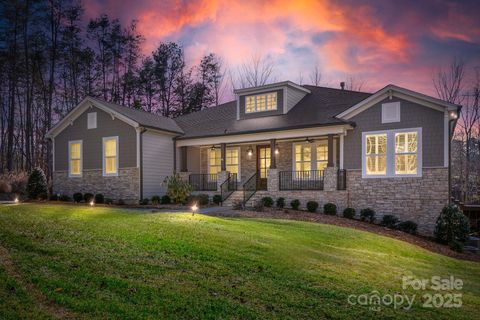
(250,187)
(203,182)
(301,180)
(229,186)
(342,179)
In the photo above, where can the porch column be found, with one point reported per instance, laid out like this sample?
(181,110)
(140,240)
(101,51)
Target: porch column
(341,151)
(223,156)
(273,156)
(330,151)
(183,159)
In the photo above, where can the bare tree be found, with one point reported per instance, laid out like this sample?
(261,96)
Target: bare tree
(448,83)
(316,76)
(354,84)
(257,71)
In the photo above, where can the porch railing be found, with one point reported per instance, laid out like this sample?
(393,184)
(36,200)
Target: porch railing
(342,179)
(203,182)
(229,186)
(301,180)
(250,187)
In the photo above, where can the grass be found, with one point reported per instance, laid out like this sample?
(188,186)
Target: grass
(123,264)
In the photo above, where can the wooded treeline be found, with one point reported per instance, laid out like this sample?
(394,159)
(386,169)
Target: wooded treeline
(50,60)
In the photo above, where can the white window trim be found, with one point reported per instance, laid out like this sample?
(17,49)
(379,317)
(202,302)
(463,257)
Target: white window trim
(239,175)
(261,94)
(390,154)
(94,120)
(103,157)
(313,156)
(70,175)
(389,105)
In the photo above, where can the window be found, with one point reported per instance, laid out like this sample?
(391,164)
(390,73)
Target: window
(75,158)
(261,102)
(310,156)
(92,120)
(264,161)
(392,153)
(322,156)
(214,161)
(406,148)
(232,160)
(391,112)
(110,156)
(303,157)
(376,156)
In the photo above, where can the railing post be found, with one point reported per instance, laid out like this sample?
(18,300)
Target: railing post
(221,177)
(272,180)
(330,179)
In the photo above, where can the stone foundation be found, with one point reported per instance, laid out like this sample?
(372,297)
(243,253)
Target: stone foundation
(417,199)
(125,186)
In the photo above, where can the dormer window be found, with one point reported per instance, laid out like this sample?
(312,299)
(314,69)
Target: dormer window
(261,102)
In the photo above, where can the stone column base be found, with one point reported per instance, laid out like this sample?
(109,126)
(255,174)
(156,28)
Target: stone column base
(272,180)
(330,179)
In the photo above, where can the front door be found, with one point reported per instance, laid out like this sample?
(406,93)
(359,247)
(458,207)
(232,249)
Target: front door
(263,164)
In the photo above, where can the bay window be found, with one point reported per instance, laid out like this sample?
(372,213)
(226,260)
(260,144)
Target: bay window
(110,156)
(75,158)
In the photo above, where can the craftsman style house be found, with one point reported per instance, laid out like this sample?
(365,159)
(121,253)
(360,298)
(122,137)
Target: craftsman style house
(388,150)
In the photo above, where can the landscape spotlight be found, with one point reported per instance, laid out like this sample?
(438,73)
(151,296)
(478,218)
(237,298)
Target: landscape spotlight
(16,200)
(194,208)
(92,203)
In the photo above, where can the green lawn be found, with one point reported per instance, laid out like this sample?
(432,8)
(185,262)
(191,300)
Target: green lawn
(111,263)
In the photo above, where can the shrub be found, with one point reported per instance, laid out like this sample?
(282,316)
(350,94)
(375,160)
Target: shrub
(267,201)
(330,209)
(5,187)
(177,188)
(295,204)
(349,213)
(280,202)
(155,200)
(77,197)
(258,206)
(37,183)
(42,196)
(88,197)
(408,227)
(64,197)
(456,245)
(367,214)
(17,182)
(217,199)
(312,206)
(99,198)
(165,200)
(143,202)
(108,201)
(389,221)
(120,202)
(451,225)
(238,205)
(53,197)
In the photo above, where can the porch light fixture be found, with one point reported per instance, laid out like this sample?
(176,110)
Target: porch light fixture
(194,208)
(213,148)
(250,151)
(276,150)
(453,115)
(308,140)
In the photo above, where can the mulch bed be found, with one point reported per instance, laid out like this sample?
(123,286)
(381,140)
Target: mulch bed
(424,242)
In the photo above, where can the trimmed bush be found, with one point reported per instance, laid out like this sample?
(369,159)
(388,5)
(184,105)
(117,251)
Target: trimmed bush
(258,206)
(108,201)
(156,200)
(389,221)
(217,199)
(349,213)
(77,197)
(99,198)
(312,206)
(199,199)
(330,209)
(408,227)
(143,202)
(53,197)
(452,225)
(37,184)
(165,200)
(88,197)
(267,201)
(295,204)
(367,214)
(64,197)
(120,202)
(280,202)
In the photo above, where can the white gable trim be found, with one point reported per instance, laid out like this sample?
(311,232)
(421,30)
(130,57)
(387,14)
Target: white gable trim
(80,109)
(402,93)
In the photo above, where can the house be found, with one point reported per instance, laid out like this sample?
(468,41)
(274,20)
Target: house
(388,150)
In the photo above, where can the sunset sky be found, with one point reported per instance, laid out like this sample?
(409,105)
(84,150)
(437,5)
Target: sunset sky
(379,42)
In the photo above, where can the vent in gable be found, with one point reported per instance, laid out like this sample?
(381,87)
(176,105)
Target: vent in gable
(391,112)
(92,120)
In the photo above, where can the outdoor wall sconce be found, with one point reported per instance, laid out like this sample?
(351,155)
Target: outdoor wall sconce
(308,140)
(453,115)
(276,150)
(213,148)
(250,151)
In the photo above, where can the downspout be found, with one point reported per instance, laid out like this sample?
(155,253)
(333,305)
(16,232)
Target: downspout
(142,131)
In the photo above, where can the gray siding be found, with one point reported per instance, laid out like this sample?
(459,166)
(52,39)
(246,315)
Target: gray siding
(92,141)
(157,159)
(293,97)
(412,115)
(279,110)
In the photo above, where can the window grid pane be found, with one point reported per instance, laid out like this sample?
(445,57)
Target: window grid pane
(376,159)
(110,156)
(406,146)
(262,102)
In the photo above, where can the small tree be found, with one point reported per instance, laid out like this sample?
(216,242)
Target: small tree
(177,188)
(452,225)
(37,184)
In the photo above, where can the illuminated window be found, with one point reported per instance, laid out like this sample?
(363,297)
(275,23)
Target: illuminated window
(376,154)
(75,158)
(232,160)
(406,147)
(264,161)
(303,158)
(322,156)
(110,156)
(214,161)
(261,102)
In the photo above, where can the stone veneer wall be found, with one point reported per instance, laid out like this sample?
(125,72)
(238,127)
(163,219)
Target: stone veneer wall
(416,199)
(125,186)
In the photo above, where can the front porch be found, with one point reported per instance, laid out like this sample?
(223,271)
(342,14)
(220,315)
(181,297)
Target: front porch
(269,167)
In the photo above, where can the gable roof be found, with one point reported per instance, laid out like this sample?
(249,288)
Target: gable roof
(318,108)
(403,93)
(136,118)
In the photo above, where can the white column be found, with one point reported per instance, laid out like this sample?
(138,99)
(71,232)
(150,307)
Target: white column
(341,151)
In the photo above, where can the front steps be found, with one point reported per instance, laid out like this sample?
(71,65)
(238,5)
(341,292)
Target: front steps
(234,197)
